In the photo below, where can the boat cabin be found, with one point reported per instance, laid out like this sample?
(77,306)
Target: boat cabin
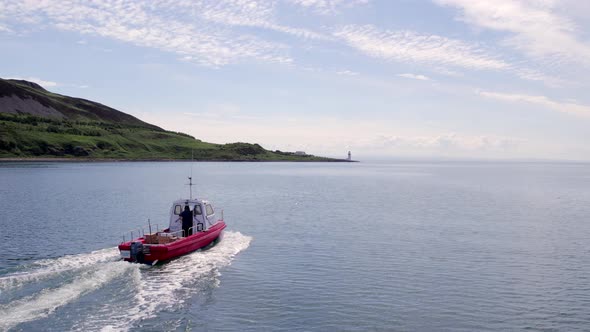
(203,215)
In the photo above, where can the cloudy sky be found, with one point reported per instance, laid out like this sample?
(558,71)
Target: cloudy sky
(383,78)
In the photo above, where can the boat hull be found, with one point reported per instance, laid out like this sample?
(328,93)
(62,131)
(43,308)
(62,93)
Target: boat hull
(152,253)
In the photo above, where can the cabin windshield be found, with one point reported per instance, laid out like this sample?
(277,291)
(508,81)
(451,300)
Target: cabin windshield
(197,210)
(177,209)
(209,210)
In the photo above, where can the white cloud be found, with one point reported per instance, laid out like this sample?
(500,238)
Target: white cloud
(447,72)
(534,75)
(415,76)
(149,25)
(347,72)
(43,83)
(249,13)
(444,143)
(536,26)
(409,46)
(328,7)
(218,33)
(4,29)
(311,134)
(441,53)
(566,107)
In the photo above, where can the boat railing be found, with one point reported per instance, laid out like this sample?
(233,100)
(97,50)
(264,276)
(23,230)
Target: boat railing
(139,232)
(181,232)
(133,233)
(154,229)
(190,230)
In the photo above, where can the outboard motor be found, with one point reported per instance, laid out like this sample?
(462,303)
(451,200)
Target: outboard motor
(136,252)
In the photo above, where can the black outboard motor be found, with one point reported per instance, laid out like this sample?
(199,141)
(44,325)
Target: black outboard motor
(137,252)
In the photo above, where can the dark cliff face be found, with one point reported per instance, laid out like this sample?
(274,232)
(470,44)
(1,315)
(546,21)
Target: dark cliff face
(29,84)
(23,97)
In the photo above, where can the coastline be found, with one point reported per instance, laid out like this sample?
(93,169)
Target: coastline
(104,160)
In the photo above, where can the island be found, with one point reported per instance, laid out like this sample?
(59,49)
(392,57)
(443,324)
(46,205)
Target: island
(36,124)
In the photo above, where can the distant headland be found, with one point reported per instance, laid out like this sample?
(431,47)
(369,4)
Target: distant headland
(38,125)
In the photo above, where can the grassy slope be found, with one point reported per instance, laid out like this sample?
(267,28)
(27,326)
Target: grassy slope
(25,136)
(92,130)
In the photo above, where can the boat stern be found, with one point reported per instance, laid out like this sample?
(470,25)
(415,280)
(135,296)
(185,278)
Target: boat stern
(125,251)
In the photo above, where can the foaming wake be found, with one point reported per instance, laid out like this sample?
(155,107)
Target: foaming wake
(163,287)
(48,268)
(182,273)
(147,290)
(43,304)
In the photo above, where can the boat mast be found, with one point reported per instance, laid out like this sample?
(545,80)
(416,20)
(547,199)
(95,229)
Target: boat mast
(190,178)
(190,186)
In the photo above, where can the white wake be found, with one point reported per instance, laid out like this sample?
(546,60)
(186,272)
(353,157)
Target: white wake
(168,286)
(41,305)
(149,289)
(49,268)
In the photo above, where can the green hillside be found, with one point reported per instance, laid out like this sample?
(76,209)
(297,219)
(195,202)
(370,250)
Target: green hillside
(35,123)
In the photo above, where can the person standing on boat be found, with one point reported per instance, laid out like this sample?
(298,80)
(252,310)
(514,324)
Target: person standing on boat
(187,221)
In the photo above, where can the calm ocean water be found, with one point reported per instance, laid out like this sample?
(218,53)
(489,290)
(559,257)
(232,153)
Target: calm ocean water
(424,246)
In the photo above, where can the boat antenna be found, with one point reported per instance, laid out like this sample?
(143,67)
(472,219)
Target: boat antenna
(190,186)
(190,178)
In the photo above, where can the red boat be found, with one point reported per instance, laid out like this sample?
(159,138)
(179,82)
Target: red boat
(161,246)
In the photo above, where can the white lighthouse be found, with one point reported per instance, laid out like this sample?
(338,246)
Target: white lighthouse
(349,156)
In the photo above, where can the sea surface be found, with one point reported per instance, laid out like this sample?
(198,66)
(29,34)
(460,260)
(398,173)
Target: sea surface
(398,246)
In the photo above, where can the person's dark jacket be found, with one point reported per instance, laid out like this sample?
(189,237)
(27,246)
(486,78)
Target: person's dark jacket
(187,221)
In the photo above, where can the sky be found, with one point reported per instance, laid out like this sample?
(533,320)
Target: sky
(502,79)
